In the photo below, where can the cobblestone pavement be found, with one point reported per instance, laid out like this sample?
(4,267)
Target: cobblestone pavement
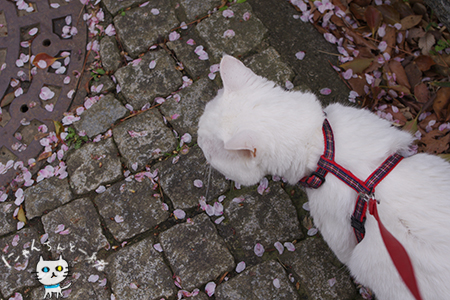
(141,215)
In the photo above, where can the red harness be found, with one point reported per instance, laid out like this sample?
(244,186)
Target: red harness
(365,199)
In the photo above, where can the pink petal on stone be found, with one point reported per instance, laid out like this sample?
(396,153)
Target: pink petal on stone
(276,283)
(198,183)
(240,267)
(289,246)
(93,278)
(59,228)
(300,55)
(179,213)
(64,232)
(155,11)
(118,219)
(228,13)
(229,33)
(219,220)
(190,42)
(173,36)
(246,16)
(259,250)
(100,189)
(152,64)
(210,288)
(279,247)
(312,231)
(158,247)
(44,238)
(325,91)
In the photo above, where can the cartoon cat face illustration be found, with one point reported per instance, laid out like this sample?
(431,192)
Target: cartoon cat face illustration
(52,272)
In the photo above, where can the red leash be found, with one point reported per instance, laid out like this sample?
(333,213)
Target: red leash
(397,253)
(365,190)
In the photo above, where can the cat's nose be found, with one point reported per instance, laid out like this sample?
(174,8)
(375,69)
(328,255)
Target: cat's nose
(53,275)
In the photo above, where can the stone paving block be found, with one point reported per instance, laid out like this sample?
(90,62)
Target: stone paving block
(110,53)
(152,139)
(140,84)
(101,116)
(132,201)
(260,219)
(139,27)
(259,282)
(15,275)
(198,8)
(92,165)
(194,66)
(289,36)
(46,195)
(6,217)
(81,287)
(84,232)
(196,253)
(106,83)
(191,106)
(268,64)
(142,266)
(177,180)
(248,34)
(114,6)
(313,265)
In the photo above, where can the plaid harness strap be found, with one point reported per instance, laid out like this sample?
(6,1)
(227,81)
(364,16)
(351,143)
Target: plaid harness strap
(365,200)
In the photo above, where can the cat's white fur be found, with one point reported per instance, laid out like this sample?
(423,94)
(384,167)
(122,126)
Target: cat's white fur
(253,128)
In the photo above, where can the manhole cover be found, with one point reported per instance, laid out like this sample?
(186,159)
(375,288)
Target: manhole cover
(31,97)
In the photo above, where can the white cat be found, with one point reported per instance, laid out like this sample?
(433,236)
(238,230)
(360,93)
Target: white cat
(51,273)
(254,128)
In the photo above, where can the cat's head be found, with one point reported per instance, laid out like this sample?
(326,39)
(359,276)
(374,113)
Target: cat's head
(253,128)
(51,272)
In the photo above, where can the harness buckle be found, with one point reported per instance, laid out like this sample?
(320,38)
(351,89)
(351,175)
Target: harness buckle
(367,197)
(322,178)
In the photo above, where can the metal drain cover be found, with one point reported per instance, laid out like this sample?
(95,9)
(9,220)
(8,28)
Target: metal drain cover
(28,28)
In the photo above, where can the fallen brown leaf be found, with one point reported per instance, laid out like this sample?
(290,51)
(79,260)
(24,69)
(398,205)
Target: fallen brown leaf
(441,102)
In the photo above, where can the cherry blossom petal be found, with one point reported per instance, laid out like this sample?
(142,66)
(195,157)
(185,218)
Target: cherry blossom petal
(158,247)
(100,189)
(276,283)
(155,11)
(198,183)
(93,278)
(312,231)
(33,31)
(246,16)
(179,214)
(210,288)
(240,267)
(259,250)
(152,64)
(228,13)
(289,246)
(325,91)
(118,219)
(229,33)
(300,55)
(59,228)
(305,206)
(279,247)
(219,220)
(173,36)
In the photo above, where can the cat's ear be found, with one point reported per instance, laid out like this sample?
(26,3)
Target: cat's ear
(245,140)
(235,75)
(60,257)
(40,258)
